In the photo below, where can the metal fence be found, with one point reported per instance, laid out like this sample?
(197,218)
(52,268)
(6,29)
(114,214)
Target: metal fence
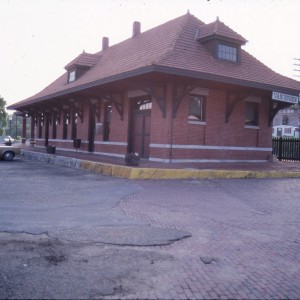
(286,148)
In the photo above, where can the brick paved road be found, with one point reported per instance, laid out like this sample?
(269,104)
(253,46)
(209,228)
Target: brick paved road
(245,237)
(79,243)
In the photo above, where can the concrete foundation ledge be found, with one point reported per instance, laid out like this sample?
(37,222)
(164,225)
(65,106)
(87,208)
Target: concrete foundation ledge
(52,159)
(152,173)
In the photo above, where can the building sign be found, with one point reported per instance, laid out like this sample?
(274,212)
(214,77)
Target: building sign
(285,97)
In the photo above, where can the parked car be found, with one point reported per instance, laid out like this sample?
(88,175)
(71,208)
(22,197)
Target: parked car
(9,152)
(8,139)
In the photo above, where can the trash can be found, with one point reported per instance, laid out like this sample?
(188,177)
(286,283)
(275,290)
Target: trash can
(132,159)
(76,143)
(51,149)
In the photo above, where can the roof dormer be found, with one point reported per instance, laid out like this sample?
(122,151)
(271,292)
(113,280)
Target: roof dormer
(82,63)
(221,41)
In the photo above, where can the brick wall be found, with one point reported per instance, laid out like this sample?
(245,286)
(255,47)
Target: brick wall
(214,132)
(175,137)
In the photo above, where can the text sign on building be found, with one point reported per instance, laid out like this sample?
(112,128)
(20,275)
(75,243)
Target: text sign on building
(285,97)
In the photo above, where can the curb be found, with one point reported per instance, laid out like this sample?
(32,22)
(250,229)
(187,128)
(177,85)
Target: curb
(152,173)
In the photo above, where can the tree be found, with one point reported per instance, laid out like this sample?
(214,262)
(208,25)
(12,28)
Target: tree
(3,116)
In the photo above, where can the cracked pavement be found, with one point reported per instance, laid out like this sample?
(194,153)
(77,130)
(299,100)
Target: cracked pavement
(67,233)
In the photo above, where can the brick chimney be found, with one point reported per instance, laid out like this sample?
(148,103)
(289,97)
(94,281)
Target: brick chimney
(105,43)
(136,28)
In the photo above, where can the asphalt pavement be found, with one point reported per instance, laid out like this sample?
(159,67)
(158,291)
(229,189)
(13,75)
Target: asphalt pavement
(69,233)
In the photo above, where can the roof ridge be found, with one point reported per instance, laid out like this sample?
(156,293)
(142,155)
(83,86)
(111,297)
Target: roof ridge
(169,51)
(216,25)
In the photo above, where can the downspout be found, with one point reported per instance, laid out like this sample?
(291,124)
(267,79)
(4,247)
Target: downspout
(171,139)
(171,126)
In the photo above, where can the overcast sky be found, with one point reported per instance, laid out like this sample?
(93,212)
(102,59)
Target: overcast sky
(39,37)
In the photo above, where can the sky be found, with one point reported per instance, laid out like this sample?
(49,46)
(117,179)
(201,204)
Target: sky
(39,37)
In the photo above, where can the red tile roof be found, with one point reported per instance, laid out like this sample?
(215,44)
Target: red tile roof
(170,48)
(84,59)
(219,29)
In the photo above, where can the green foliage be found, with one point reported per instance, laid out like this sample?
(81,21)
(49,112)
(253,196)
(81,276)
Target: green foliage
(3,116)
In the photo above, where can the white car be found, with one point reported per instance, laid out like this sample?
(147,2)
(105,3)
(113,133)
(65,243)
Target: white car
(8,138)
(9,152)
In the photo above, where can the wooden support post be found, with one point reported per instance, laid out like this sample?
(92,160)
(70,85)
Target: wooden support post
(24,130)
(32,130)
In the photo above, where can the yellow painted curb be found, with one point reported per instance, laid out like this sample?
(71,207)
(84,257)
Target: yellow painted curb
(157,173)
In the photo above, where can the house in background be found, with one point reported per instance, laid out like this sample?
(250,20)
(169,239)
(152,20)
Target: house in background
(288,116)
(184,91)
(285,131)
(286,123)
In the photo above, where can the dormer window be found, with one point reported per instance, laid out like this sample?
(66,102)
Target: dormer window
(221,41)
(72,76)
(80,65)
(227,52)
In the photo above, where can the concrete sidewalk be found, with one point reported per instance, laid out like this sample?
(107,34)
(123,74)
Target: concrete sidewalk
(114,166)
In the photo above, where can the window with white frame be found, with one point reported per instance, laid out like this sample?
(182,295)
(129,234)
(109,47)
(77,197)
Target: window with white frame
(197,108)
(72,76)
(227,52)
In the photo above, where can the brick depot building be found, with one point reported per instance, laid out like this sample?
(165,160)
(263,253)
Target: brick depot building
(184,91)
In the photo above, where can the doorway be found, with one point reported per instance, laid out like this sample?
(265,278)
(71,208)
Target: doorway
(139,136)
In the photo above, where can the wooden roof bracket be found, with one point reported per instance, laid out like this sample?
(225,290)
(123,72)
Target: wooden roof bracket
(35,119)
(160,99)
(57,111)
(119,105)
(97,108)
(232,99)
(33,116)
(65,110)
(275,107)
(23,113)
(40,117)
(78,109)
(177,97)
(50,117)
(94,104)
(56,114)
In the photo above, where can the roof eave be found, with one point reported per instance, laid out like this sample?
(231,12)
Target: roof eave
(164,70)
(224,79)
(125,75)
(221,38)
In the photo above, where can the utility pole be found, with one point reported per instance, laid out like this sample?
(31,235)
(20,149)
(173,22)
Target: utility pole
(297,74)
(296,67)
